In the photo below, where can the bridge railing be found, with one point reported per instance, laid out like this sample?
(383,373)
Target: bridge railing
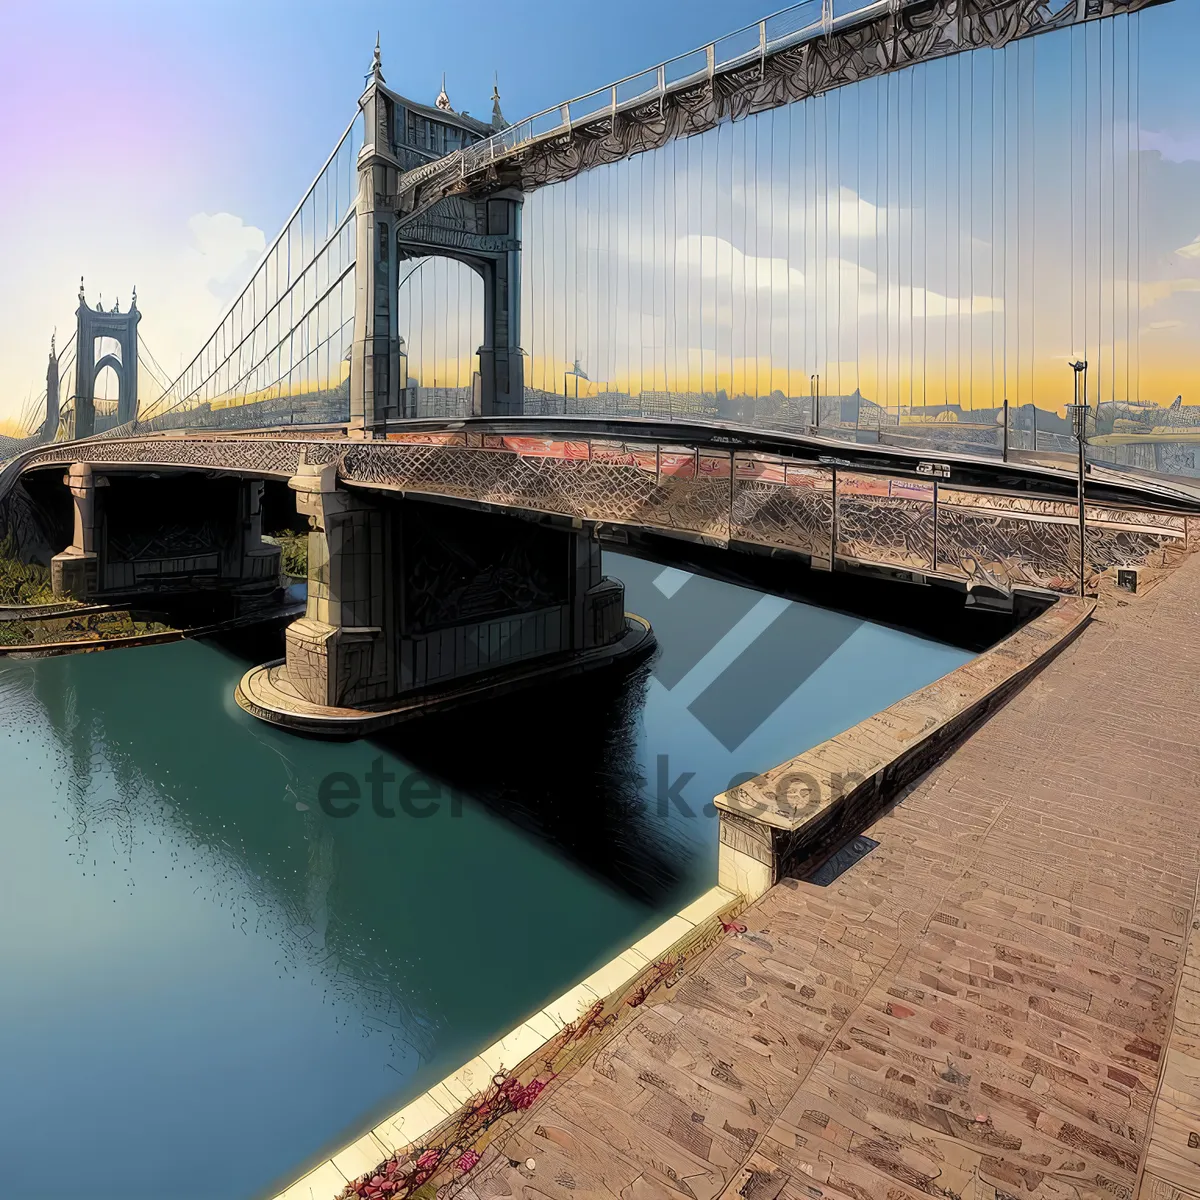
(744,47)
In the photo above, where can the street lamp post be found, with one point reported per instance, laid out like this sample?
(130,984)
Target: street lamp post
(1079,415)
(579,373)
(402,382)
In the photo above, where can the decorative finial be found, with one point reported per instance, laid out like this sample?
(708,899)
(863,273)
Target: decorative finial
(81,299)
(443,101)
(376,75)
(117,305)
(52,336)
(498,121)
(133,302)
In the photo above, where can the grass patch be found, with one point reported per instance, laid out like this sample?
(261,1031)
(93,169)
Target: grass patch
(76,629)
(22,583)
(293,556)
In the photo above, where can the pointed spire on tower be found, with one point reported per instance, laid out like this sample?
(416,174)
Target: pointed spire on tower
(443,101)
(376,75)
(82,300)
(498,121)
(133,302)
(53,355)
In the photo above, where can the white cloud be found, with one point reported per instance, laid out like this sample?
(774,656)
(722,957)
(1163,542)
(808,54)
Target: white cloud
(223,246)
(855,217)
(861,287)
(1155,291)
(183,295)
(186,268)
(717,258)
(841,213)
(1172,147)
(933,304)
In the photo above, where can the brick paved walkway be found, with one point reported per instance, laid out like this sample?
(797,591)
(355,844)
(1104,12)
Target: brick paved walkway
(982,1008)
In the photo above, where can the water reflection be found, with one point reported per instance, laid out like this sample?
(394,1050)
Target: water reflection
(231,922)
(563,765)
(207,957)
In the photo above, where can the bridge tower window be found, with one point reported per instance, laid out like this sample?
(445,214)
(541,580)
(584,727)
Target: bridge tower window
(418,131)
(381,375)
(382,278)
(497,216)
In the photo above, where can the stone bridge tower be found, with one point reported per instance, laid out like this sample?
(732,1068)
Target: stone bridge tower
(93,323)
(50,424)
(484,233)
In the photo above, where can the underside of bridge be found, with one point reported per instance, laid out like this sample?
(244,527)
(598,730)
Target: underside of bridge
(717,302)
(416,605)
(150,534)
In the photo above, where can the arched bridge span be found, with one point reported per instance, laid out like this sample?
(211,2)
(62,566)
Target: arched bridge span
(960,520)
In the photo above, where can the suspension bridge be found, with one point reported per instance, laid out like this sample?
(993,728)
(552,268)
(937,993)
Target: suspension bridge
(775,295)
(417,211)
(705,256)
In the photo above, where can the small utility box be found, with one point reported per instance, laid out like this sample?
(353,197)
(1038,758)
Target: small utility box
(1127,578)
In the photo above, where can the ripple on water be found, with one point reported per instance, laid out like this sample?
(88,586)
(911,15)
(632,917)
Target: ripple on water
(204,957)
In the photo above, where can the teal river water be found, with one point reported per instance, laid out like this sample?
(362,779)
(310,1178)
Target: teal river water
(205,979)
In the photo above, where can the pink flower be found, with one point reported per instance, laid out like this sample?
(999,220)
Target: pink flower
(528,1094)
(429,1159)
(468,1160)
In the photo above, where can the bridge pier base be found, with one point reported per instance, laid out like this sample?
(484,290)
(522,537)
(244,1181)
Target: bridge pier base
(414,606)
(75,572)
(251,566)
(198,536)
(336,652)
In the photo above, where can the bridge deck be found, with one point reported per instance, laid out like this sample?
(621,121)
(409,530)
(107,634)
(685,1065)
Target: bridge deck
(1002,1000)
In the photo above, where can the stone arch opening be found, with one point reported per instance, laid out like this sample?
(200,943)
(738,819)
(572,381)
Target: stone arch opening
(108,391)
(439,316)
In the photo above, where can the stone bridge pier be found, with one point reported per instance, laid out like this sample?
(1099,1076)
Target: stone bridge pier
(416,605)
(137,536)
(75,572)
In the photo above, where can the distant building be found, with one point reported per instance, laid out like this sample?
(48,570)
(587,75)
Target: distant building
(667,404)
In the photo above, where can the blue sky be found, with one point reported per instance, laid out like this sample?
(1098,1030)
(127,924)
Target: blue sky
(165,143)
(135,118)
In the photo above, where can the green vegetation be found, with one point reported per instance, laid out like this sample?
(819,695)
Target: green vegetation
(76,629)
(294,552)
(22,583)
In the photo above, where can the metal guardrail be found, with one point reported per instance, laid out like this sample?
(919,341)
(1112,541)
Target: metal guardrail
(753,43)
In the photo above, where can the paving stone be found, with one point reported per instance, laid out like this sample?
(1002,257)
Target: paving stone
(1001,1000)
